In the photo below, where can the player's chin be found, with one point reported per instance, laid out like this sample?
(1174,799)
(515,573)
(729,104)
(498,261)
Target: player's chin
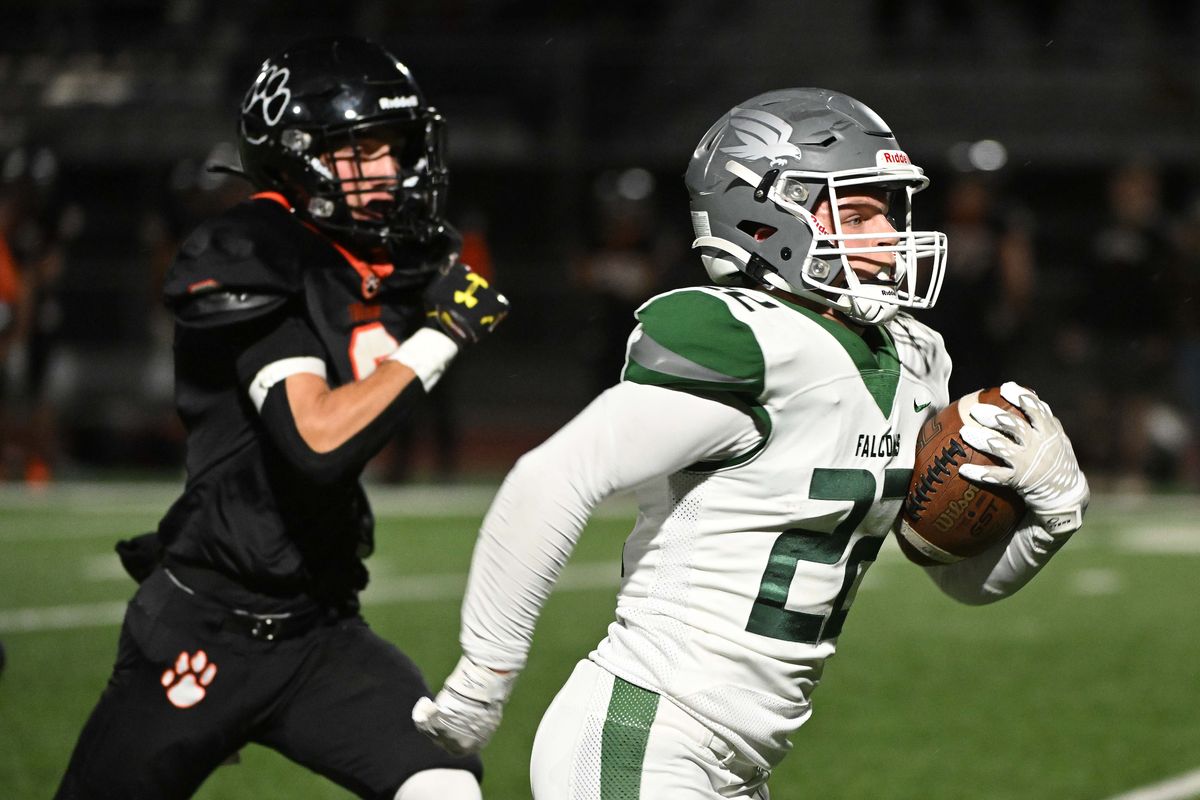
(870,273)
(374,210)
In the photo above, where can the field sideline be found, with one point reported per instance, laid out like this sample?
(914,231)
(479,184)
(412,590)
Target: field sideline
(1083,686)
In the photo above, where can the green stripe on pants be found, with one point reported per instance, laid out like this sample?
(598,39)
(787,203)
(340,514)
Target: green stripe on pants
(623,744)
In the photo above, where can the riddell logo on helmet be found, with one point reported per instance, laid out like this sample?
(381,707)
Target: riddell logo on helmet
(885,158)
(816,223)
(389,103)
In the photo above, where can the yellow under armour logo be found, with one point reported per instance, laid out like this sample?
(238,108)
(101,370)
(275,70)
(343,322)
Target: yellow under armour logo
(468,298)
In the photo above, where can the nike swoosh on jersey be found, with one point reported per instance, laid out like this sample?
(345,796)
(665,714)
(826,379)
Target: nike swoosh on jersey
(920,406)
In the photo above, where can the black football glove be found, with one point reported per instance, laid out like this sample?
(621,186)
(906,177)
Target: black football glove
(463,305)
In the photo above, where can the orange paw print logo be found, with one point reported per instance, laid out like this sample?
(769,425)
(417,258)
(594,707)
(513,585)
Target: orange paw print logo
(186,683)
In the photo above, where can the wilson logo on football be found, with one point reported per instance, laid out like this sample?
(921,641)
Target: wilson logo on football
(188,680)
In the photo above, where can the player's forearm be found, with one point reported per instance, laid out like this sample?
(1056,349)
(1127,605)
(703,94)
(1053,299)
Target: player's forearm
(366,421)
(628,435)
(527,536)
(328,418)
(1002,569)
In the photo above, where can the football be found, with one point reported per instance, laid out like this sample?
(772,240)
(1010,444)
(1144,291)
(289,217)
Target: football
(945,517)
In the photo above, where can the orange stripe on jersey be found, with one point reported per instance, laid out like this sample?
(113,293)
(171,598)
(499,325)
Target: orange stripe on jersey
(207,283)
(371,274)
(275,196)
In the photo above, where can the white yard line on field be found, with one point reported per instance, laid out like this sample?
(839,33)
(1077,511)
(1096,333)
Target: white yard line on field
(1181,787)
(1160,539)
(151,500)
(1096,582)
(401,589)
(59,618)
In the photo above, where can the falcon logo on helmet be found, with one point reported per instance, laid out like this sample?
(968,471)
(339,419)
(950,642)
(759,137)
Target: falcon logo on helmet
(762,135)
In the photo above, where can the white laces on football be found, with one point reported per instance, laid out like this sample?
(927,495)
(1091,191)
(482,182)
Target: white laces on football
(1042,467)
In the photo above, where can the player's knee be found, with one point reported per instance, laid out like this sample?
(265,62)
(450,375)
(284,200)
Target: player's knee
(440,784)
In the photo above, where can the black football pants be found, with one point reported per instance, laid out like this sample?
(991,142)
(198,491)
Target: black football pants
(186,693)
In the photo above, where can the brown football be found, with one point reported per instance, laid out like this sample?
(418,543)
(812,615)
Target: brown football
(945,517)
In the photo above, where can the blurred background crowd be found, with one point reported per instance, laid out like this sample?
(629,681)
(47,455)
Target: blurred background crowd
(1060,137)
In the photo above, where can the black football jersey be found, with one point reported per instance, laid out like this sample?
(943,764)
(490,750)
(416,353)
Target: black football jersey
(249,526)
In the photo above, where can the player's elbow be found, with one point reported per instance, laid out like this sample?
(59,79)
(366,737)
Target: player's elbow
(322,469)
(969,593)
(319,435)
(976,598)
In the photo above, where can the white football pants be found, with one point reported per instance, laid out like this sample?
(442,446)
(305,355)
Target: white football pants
(605,739)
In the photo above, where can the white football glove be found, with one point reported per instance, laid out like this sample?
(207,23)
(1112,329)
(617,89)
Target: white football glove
(1042,467)
(466,712)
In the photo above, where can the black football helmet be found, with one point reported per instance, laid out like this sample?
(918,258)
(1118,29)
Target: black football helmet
(348,96)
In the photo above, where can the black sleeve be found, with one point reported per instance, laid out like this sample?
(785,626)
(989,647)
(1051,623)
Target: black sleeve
(346,460)
(292,338)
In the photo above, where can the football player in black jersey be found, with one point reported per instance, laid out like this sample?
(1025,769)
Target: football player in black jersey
(309,319)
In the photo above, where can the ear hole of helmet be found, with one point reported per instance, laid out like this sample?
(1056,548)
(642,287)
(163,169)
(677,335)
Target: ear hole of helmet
(759,231)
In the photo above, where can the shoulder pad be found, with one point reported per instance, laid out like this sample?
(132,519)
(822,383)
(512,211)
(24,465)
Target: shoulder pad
(256,247)
(214,309)
(921,349)
(689,339)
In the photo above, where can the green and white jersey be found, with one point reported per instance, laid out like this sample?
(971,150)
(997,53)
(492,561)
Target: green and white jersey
(740,571)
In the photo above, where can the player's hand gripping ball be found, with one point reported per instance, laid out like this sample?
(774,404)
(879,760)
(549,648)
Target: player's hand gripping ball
(946,517)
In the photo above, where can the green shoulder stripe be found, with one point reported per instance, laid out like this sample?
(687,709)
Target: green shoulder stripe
(690,340)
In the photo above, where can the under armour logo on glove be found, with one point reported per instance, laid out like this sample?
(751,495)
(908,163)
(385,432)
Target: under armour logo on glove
(467,297)
(188,680)
(463,305)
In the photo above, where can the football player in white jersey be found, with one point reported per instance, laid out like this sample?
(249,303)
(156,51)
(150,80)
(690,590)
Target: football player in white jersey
(767,424)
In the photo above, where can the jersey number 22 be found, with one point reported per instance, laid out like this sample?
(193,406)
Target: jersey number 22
(768,616)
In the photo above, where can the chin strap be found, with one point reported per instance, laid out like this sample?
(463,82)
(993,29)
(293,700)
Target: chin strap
(862,310)
(748,175)
(751,264)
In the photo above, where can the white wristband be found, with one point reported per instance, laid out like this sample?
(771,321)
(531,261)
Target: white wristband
(427,353)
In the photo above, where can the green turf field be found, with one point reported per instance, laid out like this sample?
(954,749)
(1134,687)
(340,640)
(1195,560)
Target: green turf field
(1084,686)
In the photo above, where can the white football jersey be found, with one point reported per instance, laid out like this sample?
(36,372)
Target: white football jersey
(738,575)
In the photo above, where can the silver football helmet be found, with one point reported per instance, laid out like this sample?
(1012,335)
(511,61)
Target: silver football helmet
(760,171)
